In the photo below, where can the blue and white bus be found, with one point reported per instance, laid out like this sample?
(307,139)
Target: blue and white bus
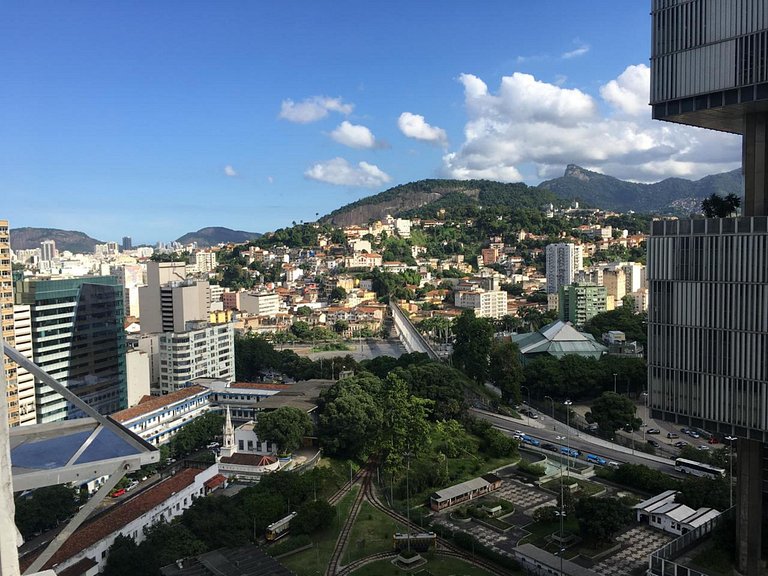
(698,468)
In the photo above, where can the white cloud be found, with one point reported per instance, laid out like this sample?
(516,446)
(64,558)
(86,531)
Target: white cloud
(576,52)
(312,109)
(353,135)
(414,126)
(629,92)
(230,171)
(529,126)
(340,172)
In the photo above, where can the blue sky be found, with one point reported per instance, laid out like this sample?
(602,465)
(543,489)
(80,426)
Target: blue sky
(155,118)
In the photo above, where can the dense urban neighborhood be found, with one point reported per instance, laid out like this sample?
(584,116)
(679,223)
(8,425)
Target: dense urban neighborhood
(464,382)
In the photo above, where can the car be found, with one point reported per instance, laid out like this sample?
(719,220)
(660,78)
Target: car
(653,431)
(713,440)
(532,441)
(693,434)
(132,485)
(572,452)
(613,464)
(702,448)
(654,443)
(681,444)
(684,430)
(596,459)
(548,446)
(673,435)
(117,493)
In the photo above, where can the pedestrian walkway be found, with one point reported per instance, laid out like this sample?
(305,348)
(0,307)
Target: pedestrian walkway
(637,544)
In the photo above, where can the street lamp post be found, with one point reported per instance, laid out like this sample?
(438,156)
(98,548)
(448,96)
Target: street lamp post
(529,403)
(554,422)
(614,382)
(730,467)
(567,405)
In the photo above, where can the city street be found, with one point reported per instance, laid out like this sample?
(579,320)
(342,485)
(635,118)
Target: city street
(543,429)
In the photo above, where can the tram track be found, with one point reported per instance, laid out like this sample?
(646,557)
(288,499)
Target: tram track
(341,541)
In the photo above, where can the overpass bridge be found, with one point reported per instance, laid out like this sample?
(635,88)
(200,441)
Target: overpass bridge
(411,338)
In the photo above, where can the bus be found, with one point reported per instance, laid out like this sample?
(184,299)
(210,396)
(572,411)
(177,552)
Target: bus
(698,468)
(278,529)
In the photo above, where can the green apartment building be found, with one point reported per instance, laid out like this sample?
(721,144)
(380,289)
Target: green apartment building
(78,338)
(579,302)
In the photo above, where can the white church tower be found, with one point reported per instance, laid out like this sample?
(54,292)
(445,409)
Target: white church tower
(229,436)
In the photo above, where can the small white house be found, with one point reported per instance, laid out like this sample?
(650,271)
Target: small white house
(662,512)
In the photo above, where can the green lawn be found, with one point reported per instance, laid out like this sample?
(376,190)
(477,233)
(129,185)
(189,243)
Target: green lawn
(313,561)
(372,533)
(437,566)
(586,488)
(539,531)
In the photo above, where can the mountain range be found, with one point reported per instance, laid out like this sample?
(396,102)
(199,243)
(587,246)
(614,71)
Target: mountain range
(670,196)
(674,196)
(79,242)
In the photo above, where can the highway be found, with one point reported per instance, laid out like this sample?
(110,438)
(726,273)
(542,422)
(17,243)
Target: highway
(586,443)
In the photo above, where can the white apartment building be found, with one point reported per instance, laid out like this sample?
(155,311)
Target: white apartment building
(205,261)
(157,419)
(48,250)
(202,351)
(563,261)
(161,503)
(137,375)
(260,303)
(486,304)
(22,325)
(403,228)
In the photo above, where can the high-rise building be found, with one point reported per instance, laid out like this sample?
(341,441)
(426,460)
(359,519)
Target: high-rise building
(22,331)
(201,351)
(48,250)
(206,261)
(563,261)
(6,322)
(78,338)
(708,278)
(578,303)
(170,300)
(127,243)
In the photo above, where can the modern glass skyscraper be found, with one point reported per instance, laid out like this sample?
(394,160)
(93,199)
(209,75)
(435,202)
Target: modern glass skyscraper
(78,338)
(708,278)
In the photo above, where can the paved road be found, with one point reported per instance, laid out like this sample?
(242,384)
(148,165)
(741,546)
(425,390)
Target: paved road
(364,350)
(543,430)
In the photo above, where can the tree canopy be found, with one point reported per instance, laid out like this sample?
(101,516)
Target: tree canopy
(612,412)
(717,206)
(285,426)
(601,518)
(472,345)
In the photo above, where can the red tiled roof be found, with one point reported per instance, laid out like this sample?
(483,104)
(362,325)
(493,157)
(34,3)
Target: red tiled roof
(249,459)
(149,403)
(259,386)
(79,568)
(217,480)
(121,515)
